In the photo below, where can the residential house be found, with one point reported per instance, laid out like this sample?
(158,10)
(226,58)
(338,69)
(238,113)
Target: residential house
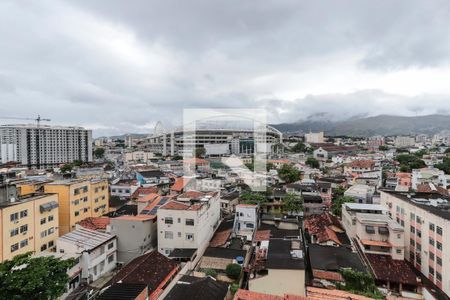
(350,210)
(428,175)
(325,229)
(246,220)
(362,193)
(145,277)
(135,235)
(98,251)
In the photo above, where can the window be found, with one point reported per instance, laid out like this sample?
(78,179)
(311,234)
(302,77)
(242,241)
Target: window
(168,220)
(431,226)
(438,276)
(431,271)
(439,245)
(399,236)
(412,242)
(51,230)
(413,230)
(418,247)
(431,241)
(412,216)
(77,213)
(168,235)
(418,219)
(50,218)
(24,228)
(439,230)
(419,233)
(24,213)
(24,243)
(179,234)
(14,231)
(189,236)
(370,229)
(44,234)
(76,202)
(44,247)
(14,247)
(439,260)
(399,251)
(432,256)
(249,225)
(110,259)
(190,222)
(51,243)
(43,221)
(418,260)
(85,210)
(110,245)
(14,217)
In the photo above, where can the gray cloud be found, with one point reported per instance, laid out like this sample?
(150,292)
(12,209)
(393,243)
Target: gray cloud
(120,67)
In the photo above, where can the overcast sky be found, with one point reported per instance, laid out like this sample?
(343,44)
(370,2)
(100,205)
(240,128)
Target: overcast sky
(120,66)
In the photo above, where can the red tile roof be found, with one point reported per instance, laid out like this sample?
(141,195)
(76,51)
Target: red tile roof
(323,226)
(250,295)
(140,191)
(387,269)
(148,198)
(177,205)
(95,223)
(432,188)
(262,235)
(363,163)
(326,294)
(180,184)
(220,238)
(327,275)
(376,243)
(191,194)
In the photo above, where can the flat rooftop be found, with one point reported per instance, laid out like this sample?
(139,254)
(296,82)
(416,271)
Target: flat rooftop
(363,206)
(364,217)
(85,238)
(24,199)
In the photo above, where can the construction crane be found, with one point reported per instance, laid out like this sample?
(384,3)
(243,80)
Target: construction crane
(38,119)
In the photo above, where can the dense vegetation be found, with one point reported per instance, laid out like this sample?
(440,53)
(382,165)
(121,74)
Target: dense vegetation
(25,277)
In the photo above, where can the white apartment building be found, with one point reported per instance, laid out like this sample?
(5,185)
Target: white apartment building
(44,146)
(362,193)
(138,156)
(188,222)
(98,251)
(404,141)
(426,220)
(246,220)
(428,175)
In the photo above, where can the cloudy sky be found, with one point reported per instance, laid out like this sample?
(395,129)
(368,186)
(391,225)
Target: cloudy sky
(120,66)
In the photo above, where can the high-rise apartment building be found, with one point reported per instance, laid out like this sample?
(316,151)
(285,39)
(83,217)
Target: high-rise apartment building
(44,146)
(79,199)
(28,224)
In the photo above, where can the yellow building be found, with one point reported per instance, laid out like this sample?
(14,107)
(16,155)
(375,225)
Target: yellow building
(99,197)
(79,199)
(28,224)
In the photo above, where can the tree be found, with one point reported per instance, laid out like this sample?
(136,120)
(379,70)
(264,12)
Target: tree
(409,162)
(210,272)
(444,166)
(289,173)
(360,283)
(292,203)
(336,208)
(253,198)
(25,277)
(177,157)
(299,147)
(312,162)
(447,150)
(233,271)
(200,152)
(99,153)
(383,148)
(66,168)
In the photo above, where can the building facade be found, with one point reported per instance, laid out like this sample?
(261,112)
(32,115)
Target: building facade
(28,224)
(188,222)
(79,199)
(44,146)
(426,220)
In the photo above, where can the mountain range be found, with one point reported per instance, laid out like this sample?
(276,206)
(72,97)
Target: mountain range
(369,126)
